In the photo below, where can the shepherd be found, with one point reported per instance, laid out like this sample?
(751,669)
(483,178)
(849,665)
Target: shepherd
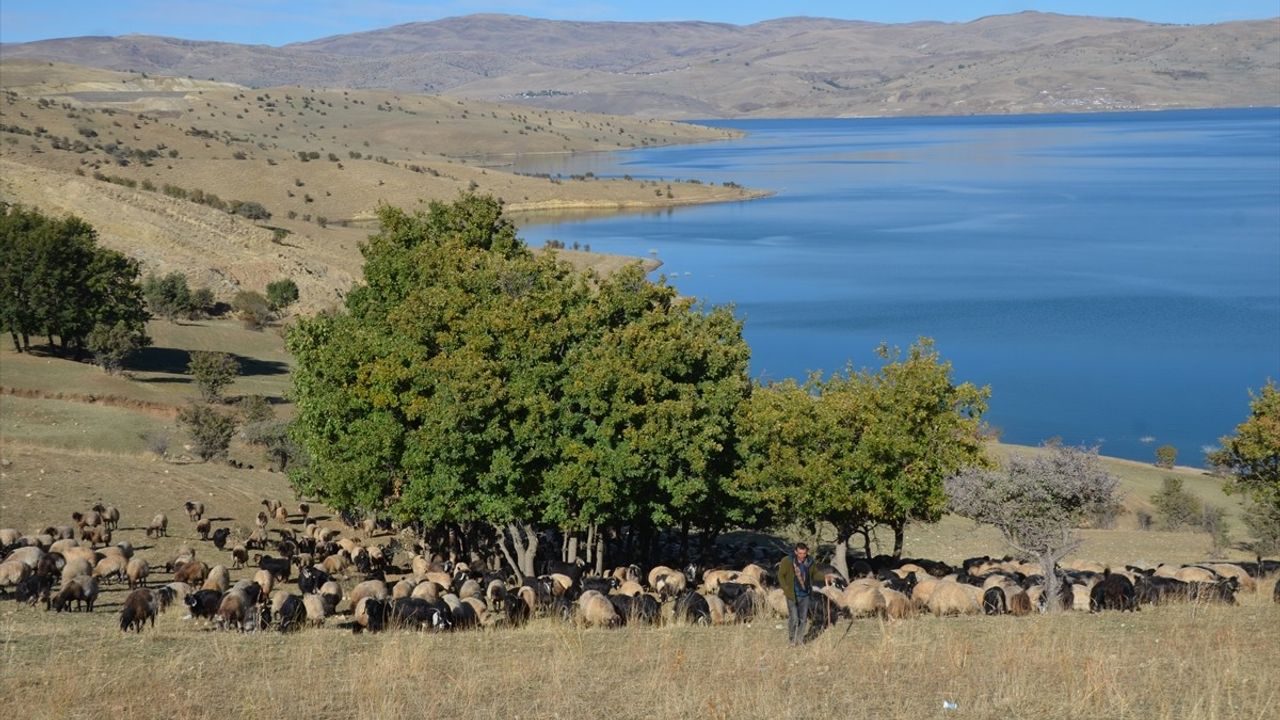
(794,575)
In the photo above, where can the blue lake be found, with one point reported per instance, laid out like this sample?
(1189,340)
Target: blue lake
(1115,278)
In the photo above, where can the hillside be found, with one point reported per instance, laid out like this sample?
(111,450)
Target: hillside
(156,164)
(791,67)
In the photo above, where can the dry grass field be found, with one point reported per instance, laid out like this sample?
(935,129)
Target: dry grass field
(58,455)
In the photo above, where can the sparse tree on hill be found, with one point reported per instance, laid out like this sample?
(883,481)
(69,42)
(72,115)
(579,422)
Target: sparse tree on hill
(1251,457)
(111,345)
(1176,507)
(210,430)
(1037,503)
(168,296)
(1166,456)
(281,294)
(213,372)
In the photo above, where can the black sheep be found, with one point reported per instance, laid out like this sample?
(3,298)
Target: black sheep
(311,579)
(1113,592)
(993,601)
(601,585)
(203,603)
(220,538)
(641,608)
(280,568)
(692,608)
(292,614)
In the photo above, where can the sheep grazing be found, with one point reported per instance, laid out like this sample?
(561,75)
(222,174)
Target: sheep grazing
(271,505)
(278,567)
(137,571)
(233,610)
(265,580)
(203,527)
(195,509)
(83,589)
(281,515)
(159,526)
(420,614)
(220,538)
(140,606)
(952,598)
(691,607)
(369,614)
(863,600)
(315,608)
(13,573)
(369,588)
(202,603)
(331,594)
(239,556)
(596,610)
(192,573)
(310,579)
(897,605)
(304,510)
(289,615)
(109,514)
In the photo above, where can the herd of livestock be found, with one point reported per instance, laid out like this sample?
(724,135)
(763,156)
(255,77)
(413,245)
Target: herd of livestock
(342,572)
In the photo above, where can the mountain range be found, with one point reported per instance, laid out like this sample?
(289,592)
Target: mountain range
(1021,63)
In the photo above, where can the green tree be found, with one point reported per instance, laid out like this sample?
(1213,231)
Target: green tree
(1166,456)
(281,294)
(210,430)
(1176,507)
(213,372)
(862,449)
(168,296)
(1251,458)
(462,386)
(1037,503)
(60,284)
(111,345)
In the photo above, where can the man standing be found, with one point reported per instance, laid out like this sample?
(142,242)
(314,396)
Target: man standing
(794,577)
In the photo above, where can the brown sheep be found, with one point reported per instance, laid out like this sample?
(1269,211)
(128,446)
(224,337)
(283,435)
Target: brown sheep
(195,509)
(630,588)
(719,612)
(304,510)
(1019,603)
(137,571)
(897,605)
(79,566)
(239,556)
(427,590)
(13,572)
(159,526)
(281,515)
(1195,574)
(9,537)
(204,527)
(336,566)
(375,589)
(192,573)
(1227,570)
(596,610)
(923,590)
(141,605)
(83,589)
(402,589)
(331,594)
(265,580)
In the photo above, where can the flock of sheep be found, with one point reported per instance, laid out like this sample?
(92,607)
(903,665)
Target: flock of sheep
(67,566)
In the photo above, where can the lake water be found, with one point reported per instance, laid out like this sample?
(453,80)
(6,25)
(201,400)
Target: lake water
(1114,278)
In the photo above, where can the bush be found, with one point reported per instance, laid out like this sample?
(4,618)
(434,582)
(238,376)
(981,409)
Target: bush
(255,409)
(1176,507)
(1263,521)
(168,296)
(213,372)
(273,437)
(251,210)
(281,294)
(202,302)
(210,430)
(156,442)
(1166,456)
(111,345)
(1213,520)
(253,309)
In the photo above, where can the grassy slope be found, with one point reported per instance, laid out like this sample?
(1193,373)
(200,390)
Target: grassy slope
(412,148)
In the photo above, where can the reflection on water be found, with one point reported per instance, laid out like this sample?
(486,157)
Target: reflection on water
(1115,278)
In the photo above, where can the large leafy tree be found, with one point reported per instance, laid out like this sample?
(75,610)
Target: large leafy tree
(57,282)
(1251,456)
(472,381)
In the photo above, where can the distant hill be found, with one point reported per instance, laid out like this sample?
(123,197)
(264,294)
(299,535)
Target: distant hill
(1027,62)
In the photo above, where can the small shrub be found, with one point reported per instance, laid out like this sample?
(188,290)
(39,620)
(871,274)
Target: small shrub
(253,309)
(1213,520)
(211,431)
(1166,456)
(255,409)
(157,442)
(213,372)
(281,294)
(1176,507)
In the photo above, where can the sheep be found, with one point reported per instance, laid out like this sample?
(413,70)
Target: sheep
(239,556)
(469,589)
(712,578)
(159,526)
(670,584)
(402,589)
(141,605)
(716,606)
(336,565)
(110,515)
(289,615)
(271,505)
(218,578)
(93,518)
(630,588)
(30,555)
(61,546)
(195,509)
(1113,592)
(233,610)
(203,527)
(315,607)
(655,573)
(369,588)
(994,602)
(8,538)
(192,573)
(100,535)
(897,605)
(220,538)
(480,609)
(12,573)
(262,520)
(278,567)
(304,510)
(265,579)
(281,515)
(596,610)
(369,614)
(923,591)
(1227,570)
(82,588)
(124,547)
(1275,592)
(311,578)
(174,591)
(331,594)
(202,603)
(952,598)
(79,566)
(752,574)
(776,600)
(691,607)
(137,571)
(862,600)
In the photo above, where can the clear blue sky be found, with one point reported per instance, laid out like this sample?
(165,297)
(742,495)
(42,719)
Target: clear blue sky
(276,22)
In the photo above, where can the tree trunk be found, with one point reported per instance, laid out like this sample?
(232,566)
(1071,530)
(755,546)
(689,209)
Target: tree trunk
(571,554)
(600,553)
(899,536)
(684,542)
(17,346)
(1049,570)
(840,561)
(525,546)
